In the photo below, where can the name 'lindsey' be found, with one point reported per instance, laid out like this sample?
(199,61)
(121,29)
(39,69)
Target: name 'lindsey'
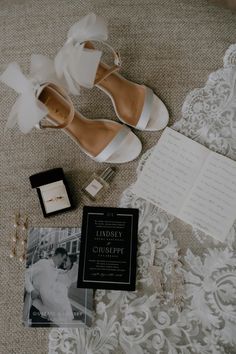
(108,233)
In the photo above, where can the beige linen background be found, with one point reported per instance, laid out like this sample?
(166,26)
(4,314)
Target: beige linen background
(171,46)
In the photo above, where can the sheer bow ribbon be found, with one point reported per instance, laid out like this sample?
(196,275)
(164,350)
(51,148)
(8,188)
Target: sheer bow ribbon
(73,62)
(28,111)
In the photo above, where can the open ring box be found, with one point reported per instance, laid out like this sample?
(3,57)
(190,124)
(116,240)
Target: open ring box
(52,191)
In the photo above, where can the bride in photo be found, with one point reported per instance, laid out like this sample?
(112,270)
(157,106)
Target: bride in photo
(60,306)
(52,303)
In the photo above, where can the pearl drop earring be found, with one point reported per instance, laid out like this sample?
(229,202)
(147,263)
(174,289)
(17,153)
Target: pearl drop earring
(24,239)
(15,238)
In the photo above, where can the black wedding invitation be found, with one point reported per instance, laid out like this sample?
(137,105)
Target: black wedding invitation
(108,249)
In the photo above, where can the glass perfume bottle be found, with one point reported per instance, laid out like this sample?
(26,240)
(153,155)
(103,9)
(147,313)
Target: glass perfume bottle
(94,187)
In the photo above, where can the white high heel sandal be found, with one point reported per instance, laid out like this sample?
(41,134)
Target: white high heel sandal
(42,97)
(78,62)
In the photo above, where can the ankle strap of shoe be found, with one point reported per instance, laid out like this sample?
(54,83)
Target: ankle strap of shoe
(108,73)
(117,60)
(71,114)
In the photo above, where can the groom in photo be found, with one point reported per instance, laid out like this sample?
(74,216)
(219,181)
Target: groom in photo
(40,280)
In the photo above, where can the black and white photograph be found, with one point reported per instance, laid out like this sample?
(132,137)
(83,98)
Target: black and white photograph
(51,296)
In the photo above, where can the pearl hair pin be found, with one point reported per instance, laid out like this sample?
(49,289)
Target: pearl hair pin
(176,288)
(156,274)
(177,281)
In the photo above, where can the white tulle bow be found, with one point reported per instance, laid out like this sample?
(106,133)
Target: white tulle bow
(73,62)
(27,111)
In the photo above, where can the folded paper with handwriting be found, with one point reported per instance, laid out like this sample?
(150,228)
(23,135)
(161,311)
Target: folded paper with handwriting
(190,182)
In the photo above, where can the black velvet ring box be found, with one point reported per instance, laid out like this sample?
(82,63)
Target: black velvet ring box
(52,191)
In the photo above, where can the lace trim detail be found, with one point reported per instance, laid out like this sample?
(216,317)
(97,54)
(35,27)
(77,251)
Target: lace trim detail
(137,322)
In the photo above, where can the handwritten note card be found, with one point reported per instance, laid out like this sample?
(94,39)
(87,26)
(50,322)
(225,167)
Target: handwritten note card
(191,182)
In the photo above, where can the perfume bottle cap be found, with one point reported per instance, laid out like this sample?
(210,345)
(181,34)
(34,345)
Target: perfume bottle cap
(107,174)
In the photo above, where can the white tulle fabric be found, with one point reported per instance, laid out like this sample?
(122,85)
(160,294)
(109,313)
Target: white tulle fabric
(76,64)
(136,322)
(28,111)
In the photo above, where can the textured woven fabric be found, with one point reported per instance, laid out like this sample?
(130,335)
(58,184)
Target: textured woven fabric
(171,46)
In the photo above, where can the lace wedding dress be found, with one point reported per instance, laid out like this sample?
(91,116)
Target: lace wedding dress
(138,322)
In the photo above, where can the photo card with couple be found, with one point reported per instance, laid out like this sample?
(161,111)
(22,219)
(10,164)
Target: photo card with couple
(51,296)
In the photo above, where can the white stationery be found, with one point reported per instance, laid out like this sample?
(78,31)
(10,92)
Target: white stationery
(191,182)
